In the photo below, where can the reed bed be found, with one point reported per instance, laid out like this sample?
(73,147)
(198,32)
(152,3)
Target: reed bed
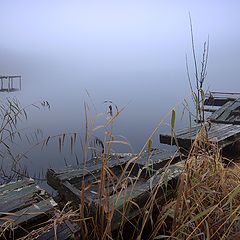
(208,200)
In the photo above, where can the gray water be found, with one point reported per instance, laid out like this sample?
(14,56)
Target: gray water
(130,52)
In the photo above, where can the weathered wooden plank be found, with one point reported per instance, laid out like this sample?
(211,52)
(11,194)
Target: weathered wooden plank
(14,185)
(65,231)
(90,172)
(51,234)
(220,98)
(138,194)
(229,113)
(11,76)
(18,193)
(157,158)
(18,202)
(80,171)
(71,188)
(24,206)
(222,134)
(35,210)
(220,111)
(211,110)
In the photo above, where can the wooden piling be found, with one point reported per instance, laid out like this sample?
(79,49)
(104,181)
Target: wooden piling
(10,83)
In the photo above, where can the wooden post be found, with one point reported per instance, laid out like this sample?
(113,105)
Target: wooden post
(1,83)
(20,78)
(8,84)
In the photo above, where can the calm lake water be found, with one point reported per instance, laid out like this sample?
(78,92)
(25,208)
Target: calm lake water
(132,53)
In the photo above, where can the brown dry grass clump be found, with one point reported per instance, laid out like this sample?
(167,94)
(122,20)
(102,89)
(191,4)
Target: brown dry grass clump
(208,201)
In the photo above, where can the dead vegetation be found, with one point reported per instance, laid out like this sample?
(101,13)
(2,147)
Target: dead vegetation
(208,200)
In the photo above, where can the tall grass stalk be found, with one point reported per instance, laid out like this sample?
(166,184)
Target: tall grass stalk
(197,90)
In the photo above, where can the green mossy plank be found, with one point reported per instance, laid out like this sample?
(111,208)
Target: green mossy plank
(140,193)
(220,111)
(158,158)
(78,172)
(114,157)
(18,202)
(141,187)
(14,185)
(228,113)
(18,193)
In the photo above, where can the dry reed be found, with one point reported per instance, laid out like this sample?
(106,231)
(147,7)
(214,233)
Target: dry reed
(208,201)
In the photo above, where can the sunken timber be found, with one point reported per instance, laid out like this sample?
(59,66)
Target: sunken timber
(139,174)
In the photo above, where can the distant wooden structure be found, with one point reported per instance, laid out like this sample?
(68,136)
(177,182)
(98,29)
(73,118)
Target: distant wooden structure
(25,207)
(137,190)
(223,125)
(8,83)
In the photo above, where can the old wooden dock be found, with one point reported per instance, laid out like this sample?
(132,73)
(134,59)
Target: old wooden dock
(222,126)
(149,167)
(25,207)
(10,83)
